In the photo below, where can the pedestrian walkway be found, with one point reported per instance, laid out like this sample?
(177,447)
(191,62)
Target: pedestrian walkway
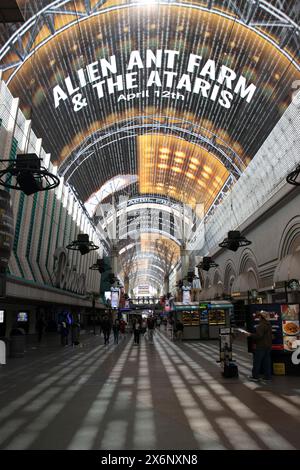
(165,395)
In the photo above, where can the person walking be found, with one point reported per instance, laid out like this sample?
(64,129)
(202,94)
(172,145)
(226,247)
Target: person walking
(122,328)
(40,327)
(116,330)
(262,339)
(150,329)
(137,328)
(64,333)
(106,328)
(179,330)
(75,333)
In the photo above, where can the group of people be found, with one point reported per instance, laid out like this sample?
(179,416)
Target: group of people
(146,327)
(69,331)
(68,327)
(118,327)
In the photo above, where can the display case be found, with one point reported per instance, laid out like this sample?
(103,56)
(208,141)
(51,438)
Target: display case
(190,317)
(219,315)
(205,320)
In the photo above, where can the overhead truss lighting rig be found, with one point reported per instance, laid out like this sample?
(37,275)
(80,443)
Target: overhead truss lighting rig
(259,15)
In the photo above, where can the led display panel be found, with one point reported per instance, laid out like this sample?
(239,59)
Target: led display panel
(95,73)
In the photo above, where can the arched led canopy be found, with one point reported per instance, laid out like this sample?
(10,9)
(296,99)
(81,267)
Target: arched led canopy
(96,45)
(179,95)
(153,254)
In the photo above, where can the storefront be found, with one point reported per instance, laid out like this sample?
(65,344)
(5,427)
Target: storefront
(26,301)
(284,319)
(203,321)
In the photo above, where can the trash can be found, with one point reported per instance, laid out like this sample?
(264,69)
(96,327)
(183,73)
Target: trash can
(17,342)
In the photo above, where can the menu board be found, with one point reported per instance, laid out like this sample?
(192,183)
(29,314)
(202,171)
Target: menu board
(290,327)
(216,317)
(190,317)
(225,343)
(274,317)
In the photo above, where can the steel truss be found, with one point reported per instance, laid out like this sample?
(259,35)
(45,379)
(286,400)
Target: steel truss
(285,31)
(181,128)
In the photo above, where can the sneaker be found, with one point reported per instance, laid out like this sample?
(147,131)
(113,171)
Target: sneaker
(266,381)
(253,379)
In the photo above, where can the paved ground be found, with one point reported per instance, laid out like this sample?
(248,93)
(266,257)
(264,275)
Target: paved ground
(152,396)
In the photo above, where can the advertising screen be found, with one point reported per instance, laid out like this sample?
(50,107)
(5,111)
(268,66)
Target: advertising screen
(22,316)
(115,298)
(290,327)
(197,82)
(203,315)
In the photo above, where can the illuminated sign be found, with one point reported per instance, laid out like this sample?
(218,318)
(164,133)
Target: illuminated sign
(202,77)
(114,297)
(66,278)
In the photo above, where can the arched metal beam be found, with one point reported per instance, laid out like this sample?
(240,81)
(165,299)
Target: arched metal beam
(181,128)
(273,17)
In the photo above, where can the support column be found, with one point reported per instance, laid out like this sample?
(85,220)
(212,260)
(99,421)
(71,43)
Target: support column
(184,256)
(114,258)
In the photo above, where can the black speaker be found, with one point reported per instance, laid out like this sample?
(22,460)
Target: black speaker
(27,182)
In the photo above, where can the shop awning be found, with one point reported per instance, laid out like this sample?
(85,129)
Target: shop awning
(288,268)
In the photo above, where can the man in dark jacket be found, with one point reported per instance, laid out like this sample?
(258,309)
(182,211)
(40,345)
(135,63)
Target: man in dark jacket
(262,352)
(106,328)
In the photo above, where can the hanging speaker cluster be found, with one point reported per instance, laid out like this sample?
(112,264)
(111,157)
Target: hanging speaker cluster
(294,177)
(234,241)
(207,263)
(82,244)
(26,174)
(100,266)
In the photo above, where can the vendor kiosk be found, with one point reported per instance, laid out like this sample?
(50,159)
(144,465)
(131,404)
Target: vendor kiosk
(205,320)
(284,319)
